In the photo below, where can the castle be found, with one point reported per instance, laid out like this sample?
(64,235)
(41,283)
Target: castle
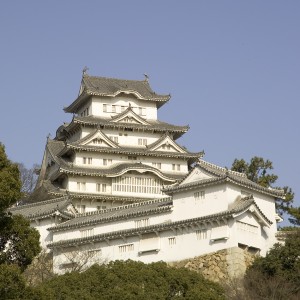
(115,184)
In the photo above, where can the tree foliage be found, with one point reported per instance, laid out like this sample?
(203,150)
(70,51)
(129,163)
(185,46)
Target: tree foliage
(19,243)
(131,280)
(10,184)
(257,170)
(277,276)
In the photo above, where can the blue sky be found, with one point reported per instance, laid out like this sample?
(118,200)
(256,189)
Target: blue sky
(232,68)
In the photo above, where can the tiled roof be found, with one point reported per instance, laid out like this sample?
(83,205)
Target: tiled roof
(238,207)
(117,213)
(115,170)
(44,209)
(222,175)
(155,125)
(103,86)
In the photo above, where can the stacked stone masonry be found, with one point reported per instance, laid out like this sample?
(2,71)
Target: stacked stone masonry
(221,265)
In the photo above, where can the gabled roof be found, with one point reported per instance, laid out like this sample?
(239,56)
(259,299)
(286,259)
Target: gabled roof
(44,209)
(129,113)
(220,175)
(111,87)
(97,133)
(166,139)
(154,125)
(237,209)
(150,207)
(191,157)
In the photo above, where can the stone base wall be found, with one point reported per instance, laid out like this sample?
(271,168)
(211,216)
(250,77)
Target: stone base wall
(222,265)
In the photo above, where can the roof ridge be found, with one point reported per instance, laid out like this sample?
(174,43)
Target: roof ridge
(113,78)
(40,203)
(102,211)
(214,166)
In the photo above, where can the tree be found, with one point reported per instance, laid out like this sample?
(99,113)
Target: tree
(19,243)
(28,179)
(277,276)
(10,184)
(258,171)
(131,280)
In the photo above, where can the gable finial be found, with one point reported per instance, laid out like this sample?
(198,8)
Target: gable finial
(146,76)
(84,70)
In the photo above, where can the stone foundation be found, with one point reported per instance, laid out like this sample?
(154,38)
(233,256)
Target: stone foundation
(222,265)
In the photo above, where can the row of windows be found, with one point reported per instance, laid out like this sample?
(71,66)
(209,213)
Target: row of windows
(100,187)
(120,108)
(137,185)
(126,248)
(200,195)
(81,208)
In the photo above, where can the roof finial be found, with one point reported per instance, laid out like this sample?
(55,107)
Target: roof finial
(84,70)
(146,76)
(48,136)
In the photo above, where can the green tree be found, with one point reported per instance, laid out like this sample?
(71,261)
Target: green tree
(257,170)
(19,243)
(10,184)
(131,280)
(277,276)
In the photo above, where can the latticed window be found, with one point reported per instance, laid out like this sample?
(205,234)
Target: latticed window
(199,195)
(201,234)
(172,241)
(144,185)
(87,232)
(141,223)
(126,248)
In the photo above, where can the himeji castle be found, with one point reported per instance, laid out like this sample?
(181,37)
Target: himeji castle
(115,183)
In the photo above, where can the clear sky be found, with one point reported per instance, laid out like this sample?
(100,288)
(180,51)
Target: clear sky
(232,68)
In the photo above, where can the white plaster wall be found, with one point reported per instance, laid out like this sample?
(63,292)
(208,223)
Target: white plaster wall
(185,205)
(97,106)
(186,246)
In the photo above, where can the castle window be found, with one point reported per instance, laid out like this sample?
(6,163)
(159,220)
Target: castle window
(141,223)
(142,142)
(80,208)
(200,195)
(81,186)
(87,232)
(97,141)
(247,227)
(104,107)
(201,234)
(87,160)
(126,248)
(172,241)
(156,165)
(107,162)
(100,207)
(114,108)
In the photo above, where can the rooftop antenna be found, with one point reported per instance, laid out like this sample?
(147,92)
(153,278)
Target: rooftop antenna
(84,71)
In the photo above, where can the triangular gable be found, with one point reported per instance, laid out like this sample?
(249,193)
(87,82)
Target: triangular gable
(252,215)
(129,116)
(98,138)
(197,174)
(166,144)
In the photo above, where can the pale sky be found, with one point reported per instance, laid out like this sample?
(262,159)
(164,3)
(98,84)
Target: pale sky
(232,68)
